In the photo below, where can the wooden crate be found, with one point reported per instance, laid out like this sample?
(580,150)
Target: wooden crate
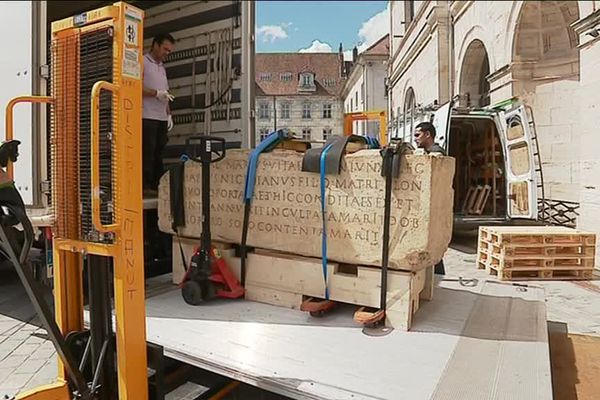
(286,280)
(537,253)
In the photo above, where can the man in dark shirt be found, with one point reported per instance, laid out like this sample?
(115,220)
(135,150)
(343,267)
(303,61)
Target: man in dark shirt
(425,139)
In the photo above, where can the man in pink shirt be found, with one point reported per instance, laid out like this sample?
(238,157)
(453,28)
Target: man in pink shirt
(156,116)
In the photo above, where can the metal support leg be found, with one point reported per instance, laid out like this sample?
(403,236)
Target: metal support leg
(99,276)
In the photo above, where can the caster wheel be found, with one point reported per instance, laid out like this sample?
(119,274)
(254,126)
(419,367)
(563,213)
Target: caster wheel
(192,293)
(317,314)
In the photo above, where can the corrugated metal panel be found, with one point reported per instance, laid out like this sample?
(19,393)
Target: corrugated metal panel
(190,23)
(503,350)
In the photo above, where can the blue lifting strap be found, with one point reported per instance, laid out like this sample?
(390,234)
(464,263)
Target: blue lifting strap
(267,144)
(323,202)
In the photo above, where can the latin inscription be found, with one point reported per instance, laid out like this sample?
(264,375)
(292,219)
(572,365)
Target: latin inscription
(287,202)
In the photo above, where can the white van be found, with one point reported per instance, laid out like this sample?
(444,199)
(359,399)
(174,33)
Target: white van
(498,177)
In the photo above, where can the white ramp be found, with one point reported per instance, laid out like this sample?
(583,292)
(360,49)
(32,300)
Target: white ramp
(486,341)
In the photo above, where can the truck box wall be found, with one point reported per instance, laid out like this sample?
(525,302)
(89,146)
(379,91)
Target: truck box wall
(189,22)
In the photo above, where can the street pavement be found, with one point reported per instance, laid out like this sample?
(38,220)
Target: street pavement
(27,357)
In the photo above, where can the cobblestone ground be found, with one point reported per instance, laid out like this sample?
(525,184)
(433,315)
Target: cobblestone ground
(27,357)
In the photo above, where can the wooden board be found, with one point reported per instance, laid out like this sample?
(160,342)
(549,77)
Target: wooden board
(285,280)
(286,209)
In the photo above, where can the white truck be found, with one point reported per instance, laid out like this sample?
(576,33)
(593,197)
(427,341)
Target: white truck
(473,341)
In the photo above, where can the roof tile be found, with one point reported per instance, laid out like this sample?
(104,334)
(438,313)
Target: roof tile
(284,70)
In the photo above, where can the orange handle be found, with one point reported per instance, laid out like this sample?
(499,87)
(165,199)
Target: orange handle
(9,124)
(95,126)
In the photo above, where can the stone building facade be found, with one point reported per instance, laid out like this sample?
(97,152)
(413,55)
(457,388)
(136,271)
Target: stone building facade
(547,53)
(364,89)
(300,91)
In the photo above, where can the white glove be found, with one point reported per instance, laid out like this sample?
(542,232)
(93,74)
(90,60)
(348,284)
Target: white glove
(170,123)
(164,95)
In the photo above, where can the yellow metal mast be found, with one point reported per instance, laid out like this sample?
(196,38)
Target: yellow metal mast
(96,143)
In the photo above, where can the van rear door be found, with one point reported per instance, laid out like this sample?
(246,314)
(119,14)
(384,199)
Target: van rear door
(441,122)
(520,163)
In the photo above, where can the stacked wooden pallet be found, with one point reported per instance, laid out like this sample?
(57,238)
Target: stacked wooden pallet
(536,253)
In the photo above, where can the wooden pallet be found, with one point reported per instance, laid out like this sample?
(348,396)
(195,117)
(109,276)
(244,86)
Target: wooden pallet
(524,273)
(287,280)
(536,236)
(530,252)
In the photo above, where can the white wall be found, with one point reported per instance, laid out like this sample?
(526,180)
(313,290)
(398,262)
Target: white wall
(367,93)
(587,137)
(15,69)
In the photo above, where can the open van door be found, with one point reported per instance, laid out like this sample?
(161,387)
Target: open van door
(441,122)
(520,164)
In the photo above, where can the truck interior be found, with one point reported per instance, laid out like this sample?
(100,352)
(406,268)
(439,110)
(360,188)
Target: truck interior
(479,185)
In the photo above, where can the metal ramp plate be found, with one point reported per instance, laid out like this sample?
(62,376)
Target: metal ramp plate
(488,340)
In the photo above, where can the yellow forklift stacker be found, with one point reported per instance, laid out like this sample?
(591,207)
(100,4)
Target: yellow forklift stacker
(96,103)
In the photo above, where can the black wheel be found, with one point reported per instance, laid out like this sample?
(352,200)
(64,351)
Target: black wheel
(192,293)
(317,314)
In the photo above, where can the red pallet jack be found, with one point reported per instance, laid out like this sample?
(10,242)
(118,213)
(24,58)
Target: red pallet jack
(208,275)
(374,319)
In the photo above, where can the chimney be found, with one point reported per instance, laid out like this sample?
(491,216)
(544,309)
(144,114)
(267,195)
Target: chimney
(354,54)
(341,58)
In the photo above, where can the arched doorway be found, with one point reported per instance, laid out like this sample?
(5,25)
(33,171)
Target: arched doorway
(545,45)
(474,88)
(545,72)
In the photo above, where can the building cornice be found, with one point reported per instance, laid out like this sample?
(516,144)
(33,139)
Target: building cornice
(421,41)
(458,8)
(585,25)
(410,29)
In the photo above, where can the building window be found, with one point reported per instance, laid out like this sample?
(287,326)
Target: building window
(326,110)
(285,111)
(326,133)
(306,111)
(285,76)
(264,76)
(356,99)
(351,106)
(263,111)
(306,79)
(306,134)
(264,132)
(409,115)
(329,82)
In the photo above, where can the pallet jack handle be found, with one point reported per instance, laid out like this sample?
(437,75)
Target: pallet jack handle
(206,150)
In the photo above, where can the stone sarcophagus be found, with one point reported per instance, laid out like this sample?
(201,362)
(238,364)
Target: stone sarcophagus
(286,209)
